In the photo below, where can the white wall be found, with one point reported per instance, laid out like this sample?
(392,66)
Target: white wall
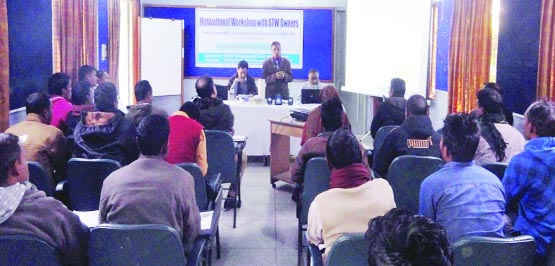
(438,109)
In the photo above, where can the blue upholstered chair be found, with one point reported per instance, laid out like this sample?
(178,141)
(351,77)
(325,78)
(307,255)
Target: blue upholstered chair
(24,250)
(486,251)
(39,177)
(378,141)
(405,175)
(84,181)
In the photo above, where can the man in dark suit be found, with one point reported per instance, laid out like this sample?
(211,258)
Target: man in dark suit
(276,70)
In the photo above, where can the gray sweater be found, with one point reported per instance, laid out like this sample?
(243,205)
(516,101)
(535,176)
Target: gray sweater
(152,191)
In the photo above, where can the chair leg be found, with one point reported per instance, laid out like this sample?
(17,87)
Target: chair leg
(235,212)
(218,254)
(299,244)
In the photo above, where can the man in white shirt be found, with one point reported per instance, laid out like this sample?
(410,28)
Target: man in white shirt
(313,80)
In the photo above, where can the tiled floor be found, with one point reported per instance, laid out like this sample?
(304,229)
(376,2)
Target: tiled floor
(266,232)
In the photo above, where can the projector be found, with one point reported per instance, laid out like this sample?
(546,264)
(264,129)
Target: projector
(299,114)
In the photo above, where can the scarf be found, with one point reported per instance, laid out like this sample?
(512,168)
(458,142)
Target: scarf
(10,197)
(349,176)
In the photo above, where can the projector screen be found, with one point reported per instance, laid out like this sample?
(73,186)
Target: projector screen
(385,40)
(227,36)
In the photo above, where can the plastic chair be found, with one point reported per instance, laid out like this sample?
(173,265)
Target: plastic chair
(27,250)
(405,175)
(378,141)
(220,150)
(497,169)
(140,244)
(205,203)
(84,181)
(349,249)
(39,177)
(316,180)
(479,250)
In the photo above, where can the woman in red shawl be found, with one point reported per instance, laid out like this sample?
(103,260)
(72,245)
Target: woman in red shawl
(313,125)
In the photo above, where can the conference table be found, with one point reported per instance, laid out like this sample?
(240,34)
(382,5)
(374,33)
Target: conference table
(252,121)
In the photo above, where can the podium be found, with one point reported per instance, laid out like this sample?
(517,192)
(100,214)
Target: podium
(281,132)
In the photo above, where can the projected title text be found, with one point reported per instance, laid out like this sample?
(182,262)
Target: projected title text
(242,22)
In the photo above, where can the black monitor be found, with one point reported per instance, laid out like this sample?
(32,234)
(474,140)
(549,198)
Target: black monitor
(310,96)
(222,91)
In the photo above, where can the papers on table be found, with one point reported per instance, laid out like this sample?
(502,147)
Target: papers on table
(89,218)
(206,222)
(239,138)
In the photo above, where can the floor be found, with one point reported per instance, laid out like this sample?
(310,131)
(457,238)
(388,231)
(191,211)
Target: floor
(266,232)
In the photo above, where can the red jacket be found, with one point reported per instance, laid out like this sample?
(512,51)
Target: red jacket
(187,142)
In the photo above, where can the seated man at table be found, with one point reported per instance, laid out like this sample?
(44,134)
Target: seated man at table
(150,190)
(187,141)
(27,211)
(214,113)
(331,115)
(241,82)
(353,197)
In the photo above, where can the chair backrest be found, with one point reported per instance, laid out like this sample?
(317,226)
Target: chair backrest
(380,138)
(349,249)
(27,250)
(39,177)
(141,244)
(84,181)
(478,250)
(220,151)
(200,184)
(497,169)
(222,91)
(405,175)
(316,180)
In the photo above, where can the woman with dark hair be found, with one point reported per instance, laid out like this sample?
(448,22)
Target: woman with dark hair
(499,141)
(313,125)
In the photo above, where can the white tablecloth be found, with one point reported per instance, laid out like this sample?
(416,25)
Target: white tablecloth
(251,120)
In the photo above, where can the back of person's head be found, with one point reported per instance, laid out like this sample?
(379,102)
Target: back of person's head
(397,87)
(36,103)
(11,152)
(57,82)
(493,85)
(85,70)
(416,105)
(204,86)
(490,100)
(541,115)
(461,135)
(328,92)
(152,135)
(332,114)
(343,149)
(243,64)
(191,109)
(80,92)
(400,238)
(142,89)
(105,97)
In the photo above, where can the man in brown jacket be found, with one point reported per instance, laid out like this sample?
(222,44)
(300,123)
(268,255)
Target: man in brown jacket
(42,142)
(26,210)
(151,190)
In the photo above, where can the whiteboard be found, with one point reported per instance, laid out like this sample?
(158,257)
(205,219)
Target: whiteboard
(162,55)
(385,40)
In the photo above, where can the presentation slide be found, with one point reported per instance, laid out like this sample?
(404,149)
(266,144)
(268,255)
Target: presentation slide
(227,36)
(385,40)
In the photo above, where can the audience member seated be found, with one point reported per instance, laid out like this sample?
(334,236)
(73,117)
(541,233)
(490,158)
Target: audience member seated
(331,116)
(88,73)
(353,198)
(465,198)
(313,80)
(82,101)
(529,180)
(392,111)
(506,112)
(27,211)
(59,88)
(400,238)
(192,110)
(105,132)
(150,190)
(214,114)
(500,141)
(187,141)
(313,125)
(144,107)
(241,82)
(103,77)
(42,142)
(415,136)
